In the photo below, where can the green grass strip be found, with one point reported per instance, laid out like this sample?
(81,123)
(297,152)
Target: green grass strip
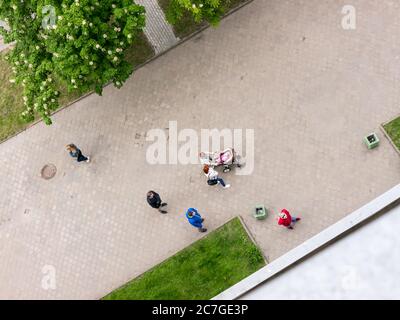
(393,130)
(201,271)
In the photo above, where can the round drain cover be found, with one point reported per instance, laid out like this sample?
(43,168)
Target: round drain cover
(48,171)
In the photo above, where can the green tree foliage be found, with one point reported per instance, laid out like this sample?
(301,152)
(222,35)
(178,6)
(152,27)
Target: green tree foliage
(201,10)
(78,42)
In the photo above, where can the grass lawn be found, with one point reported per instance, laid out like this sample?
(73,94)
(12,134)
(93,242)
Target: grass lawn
(187,25)
(393,130)
(140,51)
(11,104)
(201,271)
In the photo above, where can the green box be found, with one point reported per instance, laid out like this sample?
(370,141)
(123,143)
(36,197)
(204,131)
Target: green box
(371,141)
(260,212)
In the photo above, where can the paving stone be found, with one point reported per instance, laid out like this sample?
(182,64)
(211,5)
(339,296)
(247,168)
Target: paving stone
(159,32)
(3,45)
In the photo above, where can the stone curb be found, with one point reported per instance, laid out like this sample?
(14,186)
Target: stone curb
(252,238)
(313,244)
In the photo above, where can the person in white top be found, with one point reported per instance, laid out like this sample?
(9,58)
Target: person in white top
(213,178)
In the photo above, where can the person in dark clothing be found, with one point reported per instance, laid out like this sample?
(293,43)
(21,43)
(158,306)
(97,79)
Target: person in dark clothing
(75,152)
(154,200)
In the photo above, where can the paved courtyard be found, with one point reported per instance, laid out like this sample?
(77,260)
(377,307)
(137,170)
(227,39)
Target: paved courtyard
(308,88)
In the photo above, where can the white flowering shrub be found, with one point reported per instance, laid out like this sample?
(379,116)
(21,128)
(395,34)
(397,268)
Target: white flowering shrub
(79,42)
(201,10)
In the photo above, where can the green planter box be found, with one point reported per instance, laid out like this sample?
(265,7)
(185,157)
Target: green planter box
(260,212)
(371,141)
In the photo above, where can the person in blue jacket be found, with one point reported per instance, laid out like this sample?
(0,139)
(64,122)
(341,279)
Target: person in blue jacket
(195,219)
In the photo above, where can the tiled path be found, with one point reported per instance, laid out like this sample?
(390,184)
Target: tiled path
(3,46)
(157,30)
(286,69)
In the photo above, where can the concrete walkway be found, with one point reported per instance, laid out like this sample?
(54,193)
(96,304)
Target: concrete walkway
(158,30)
(3,45)
(286,69)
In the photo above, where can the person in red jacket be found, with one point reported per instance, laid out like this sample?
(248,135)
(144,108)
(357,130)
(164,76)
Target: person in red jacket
(286,220)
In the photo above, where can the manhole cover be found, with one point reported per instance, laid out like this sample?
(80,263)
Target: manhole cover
(48,171)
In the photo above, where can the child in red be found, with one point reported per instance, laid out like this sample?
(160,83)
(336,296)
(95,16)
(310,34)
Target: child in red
(286,220)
